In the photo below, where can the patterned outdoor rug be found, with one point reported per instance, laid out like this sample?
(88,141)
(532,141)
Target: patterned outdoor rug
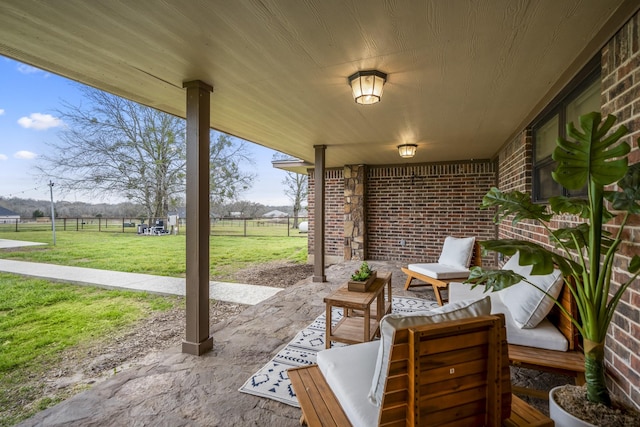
(272,381)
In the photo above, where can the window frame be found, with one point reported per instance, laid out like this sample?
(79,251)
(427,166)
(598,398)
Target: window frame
(590,74)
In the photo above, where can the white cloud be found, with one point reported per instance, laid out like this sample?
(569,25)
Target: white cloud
(26,155)
(39,121)
(1,111)
(28,69)
(3,157)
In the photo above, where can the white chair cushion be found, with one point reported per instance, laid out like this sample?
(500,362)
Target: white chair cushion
(545,335)
(527,304)
(392,322)
(457,252)
(463,291)
(349,371)
(440,271)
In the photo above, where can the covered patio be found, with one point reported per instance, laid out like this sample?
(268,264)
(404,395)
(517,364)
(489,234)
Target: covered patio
(470,85)
(176,389)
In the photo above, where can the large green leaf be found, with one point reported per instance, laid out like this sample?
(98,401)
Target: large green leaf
(542,260)
(575,206)
(581,235)
(514,203)
(492,280)
(627,199)
(562,204)
(567,236)
(591,155)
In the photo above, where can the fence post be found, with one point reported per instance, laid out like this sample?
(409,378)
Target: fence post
(16,225)
(245,227)
(288,233)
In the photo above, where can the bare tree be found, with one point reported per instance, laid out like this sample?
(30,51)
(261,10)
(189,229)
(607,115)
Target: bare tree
(111,146)
(228,180)
(296,187)
(115,147)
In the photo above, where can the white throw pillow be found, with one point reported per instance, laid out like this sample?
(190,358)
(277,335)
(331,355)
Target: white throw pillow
(457,252)
(392,322)
(527,304)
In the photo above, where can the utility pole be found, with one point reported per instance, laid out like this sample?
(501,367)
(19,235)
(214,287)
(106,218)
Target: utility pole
(53,216)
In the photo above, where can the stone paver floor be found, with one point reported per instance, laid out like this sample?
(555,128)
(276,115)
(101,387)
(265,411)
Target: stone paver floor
(175,389)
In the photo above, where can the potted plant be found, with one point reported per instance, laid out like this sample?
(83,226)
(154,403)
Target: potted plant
(362,278)
(584,253)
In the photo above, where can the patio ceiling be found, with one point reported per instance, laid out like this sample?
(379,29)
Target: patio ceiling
(464,76)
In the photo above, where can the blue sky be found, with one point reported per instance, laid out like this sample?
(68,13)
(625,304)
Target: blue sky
(28,100)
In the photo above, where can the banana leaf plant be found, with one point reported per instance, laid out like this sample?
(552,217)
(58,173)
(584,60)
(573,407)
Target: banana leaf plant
(585,253)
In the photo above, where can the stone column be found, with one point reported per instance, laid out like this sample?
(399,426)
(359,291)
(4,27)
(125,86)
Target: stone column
(197,339)
(355,225)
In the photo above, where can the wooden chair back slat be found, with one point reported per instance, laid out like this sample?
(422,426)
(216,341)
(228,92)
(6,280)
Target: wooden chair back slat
(455,373)
(562,321)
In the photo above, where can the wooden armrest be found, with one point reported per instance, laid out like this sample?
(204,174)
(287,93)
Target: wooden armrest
(320,407)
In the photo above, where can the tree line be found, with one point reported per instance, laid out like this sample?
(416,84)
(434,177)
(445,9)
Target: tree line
(31,209)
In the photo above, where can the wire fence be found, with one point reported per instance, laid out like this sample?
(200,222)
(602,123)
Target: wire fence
(242,227)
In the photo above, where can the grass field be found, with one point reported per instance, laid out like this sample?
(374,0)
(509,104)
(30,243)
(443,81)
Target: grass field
(39,319)
(160,255)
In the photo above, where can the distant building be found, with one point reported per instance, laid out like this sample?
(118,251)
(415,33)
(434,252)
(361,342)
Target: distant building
(275,214)
(7,216)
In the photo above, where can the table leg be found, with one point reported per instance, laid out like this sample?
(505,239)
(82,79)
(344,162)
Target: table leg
(390,297)
(367,324)
(327,335)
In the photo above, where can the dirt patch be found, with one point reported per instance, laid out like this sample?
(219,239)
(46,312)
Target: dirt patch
(278,274)
(82,366)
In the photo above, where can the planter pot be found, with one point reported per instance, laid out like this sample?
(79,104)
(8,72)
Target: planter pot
(364,286)
(561,417)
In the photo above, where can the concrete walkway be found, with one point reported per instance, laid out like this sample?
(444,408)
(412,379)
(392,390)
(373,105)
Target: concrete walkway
(220,291)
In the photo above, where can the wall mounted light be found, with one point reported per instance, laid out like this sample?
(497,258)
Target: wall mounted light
(407,151)
(367,86)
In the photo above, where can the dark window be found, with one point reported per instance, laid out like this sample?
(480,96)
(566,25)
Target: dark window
(583,98)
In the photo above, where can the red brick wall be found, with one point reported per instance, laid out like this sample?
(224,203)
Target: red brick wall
(334,212)
(620,97)
(418,204)
(421,205)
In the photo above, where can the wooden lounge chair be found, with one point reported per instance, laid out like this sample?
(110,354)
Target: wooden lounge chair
(452,266)
(552,345)
(444,373)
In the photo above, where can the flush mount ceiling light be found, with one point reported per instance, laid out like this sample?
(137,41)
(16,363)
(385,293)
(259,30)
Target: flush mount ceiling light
(407,151)
(367,86)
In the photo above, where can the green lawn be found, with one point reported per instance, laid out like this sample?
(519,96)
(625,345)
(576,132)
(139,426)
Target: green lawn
(39,319)
(160,255)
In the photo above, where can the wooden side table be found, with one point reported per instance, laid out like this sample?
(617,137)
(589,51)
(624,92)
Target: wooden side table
(355,327)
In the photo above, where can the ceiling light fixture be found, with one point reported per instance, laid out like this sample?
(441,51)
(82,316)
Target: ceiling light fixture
(367,86)
(407,151)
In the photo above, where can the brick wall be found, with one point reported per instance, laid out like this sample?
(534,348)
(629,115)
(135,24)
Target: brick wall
(334,213)
(411,209)
(620,97)
(419,205)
